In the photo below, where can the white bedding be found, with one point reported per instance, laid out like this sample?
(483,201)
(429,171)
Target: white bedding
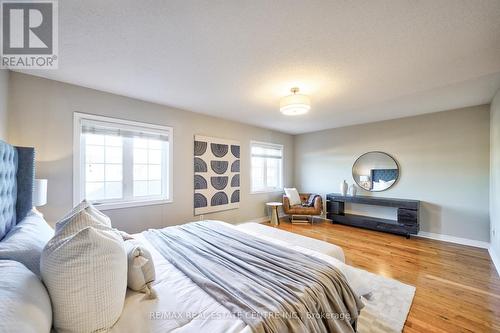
(184,307)
(274,234)
(181,305)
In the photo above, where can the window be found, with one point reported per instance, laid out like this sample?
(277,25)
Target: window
(267,167)
(119,163)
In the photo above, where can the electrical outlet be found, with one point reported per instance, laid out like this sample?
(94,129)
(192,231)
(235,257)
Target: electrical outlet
(202,217)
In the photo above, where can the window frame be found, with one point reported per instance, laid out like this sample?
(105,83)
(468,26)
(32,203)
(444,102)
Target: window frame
(78,169)
(282,171)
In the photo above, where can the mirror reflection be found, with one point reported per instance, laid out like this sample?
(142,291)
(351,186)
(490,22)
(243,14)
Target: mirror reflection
(375,171)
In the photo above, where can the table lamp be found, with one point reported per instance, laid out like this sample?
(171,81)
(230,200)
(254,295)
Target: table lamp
(39,194)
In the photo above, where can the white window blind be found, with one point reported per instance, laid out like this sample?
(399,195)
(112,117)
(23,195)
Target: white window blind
(267,167)
(121,163)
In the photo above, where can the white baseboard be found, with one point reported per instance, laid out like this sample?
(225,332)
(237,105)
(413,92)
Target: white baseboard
(265,219)
(495,257)
(453,239)
(261,219)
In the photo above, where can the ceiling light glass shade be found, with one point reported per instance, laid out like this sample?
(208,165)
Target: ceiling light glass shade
(295,104)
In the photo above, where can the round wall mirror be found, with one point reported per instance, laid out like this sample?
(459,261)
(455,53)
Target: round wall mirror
(375,171)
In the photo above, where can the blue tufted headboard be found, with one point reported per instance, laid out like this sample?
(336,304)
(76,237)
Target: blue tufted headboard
(17,175)
(384,174)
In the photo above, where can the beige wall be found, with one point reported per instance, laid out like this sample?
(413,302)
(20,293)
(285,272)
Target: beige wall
(444,157)
(41,114)
(495,175)
(4,93)
(444,160)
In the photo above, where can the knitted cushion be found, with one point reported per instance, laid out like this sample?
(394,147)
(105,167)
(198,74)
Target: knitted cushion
(84,268)
(141,269)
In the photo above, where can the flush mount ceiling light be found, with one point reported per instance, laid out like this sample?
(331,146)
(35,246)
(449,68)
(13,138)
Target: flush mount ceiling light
(295,104)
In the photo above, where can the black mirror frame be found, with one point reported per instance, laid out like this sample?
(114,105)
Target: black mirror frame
(380,152)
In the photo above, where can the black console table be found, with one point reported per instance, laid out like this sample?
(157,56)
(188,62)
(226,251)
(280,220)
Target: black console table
(406,224)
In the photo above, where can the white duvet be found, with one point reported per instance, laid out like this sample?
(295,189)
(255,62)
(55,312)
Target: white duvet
(184,307)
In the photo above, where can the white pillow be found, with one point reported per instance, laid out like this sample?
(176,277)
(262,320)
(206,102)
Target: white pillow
(293,196)
(84,268)
(378,186)
(25,242)
(83,207)
(24,301)
(382,184)
(141,269)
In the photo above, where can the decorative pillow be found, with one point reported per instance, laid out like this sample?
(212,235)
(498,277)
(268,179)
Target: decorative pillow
(86,209)
(25,242)
(85,270)
(293,196)
(125,236)
(25,304)
(141,269)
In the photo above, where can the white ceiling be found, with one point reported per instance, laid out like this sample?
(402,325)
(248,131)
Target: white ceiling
(360,61)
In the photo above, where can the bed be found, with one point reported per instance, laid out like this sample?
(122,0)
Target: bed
(182,305)
(188,308)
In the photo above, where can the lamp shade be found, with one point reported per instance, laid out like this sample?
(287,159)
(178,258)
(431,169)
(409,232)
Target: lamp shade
(40,192)
(295,104)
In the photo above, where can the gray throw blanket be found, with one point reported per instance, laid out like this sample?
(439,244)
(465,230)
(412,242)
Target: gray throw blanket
(310,201)
(270,287)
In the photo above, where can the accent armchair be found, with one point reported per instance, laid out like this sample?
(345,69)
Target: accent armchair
(298,212)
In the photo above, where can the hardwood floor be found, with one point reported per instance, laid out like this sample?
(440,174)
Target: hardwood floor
(458,288)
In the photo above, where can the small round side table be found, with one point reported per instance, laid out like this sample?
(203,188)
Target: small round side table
(274,212)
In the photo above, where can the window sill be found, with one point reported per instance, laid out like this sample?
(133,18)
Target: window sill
(129,204)
(267,191)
